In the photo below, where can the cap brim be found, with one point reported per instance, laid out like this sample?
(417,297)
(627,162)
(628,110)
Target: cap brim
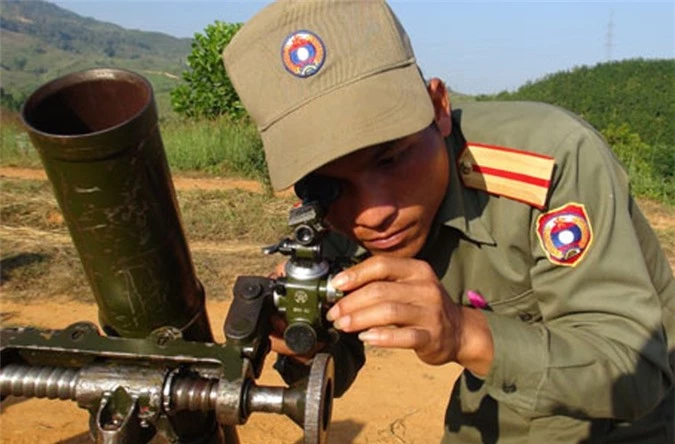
(370,111)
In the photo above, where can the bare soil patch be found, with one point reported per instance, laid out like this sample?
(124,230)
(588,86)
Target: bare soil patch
(396,398)
(180,182)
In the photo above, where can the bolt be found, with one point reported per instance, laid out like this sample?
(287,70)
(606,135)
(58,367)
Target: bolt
(251,291)
(77,334)
(162,339)
(466,167)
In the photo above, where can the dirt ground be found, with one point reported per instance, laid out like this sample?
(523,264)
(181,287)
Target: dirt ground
(395,399)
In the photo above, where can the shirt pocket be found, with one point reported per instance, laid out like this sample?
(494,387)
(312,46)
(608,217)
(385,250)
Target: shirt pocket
(523,306)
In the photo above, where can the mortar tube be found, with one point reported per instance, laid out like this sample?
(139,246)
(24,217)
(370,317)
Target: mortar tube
(97,134)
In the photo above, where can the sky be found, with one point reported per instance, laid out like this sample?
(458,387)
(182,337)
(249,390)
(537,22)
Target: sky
(477,47)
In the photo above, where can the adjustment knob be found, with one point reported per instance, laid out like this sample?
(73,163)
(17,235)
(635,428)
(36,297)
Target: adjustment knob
(300,337)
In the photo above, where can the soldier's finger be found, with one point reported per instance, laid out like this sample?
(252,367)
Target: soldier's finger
(374,293)
(380,268)
(407,337)
(278,323)
(279,271)
(278,345)
(379,315)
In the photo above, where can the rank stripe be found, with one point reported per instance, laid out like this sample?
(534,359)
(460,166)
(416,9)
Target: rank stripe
(514,176)
(509,159)
(512,173)
(523,192)
(508,150)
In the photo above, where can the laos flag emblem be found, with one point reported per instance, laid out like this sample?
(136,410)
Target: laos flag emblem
(565,234)
(303,53)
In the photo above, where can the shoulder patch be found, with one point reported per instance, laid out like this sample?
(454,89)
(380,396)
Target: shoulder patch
(516,174)
(565,234)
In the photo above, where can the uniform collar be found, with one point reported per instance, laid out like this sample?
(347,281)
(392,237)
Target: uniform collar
(462,207)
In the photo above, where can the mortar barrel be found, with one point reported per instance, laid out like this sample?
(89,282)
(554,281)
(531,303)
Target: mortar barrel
(98,137)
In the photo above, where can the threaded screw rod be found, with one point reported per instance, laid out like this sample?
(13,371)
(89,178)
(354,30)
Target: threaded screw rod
(61,383)
(194,394)
(38,381)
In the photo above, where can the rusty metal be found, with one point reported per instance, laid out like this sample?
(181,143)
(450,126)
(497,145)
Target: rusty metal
(319,388)
(130,394)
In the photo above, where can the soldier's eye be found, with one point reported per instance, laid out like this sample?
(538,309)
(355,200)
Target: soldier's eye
(392,158)
(387,160)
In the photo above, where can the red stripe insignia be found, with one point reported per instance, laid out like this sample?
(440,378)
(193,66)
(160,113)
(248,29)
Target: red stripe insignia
(516,174)
(565,234)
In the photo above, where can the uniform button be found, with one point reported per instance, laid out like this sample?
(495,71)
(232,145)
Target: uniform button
(525,317)
(509,388)
(466,167)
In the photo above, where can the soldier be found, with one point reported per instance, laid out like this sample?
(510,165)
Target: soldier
(501,236)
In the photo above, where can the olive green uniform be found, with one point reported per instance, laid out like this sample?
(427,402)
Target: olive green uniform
(580,352)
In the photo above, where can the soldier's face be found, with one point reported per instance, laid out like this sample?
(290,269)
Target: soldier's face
(390,193)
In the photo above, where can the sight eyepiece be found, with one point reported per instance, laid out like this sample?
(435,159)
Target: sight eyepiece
(320,189)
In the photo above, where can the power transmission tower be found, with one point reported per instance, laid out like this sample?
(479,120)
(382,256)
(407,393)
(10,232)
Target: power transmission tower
(609,37)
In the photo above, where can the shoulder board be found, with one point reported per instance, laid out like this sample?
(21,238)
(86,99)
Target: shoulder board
(516,174)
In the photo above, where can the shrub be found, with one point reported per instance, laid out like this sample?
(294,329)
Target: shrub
(207,91)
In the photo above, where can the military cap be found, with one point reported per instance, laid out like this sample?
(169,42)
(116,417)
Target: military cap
(324,78)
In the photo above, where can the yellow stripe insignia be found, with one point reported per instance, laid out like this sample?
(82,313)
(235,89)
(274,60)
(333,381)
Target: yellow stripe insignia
(516,174)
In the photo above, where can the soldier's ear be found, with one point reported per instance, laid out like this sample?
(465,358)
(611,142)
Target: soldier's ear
(441,101)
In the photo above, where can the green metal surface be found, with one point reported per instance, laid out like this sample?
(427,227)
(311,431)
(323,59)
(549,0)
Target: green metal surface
(98,138)
(80,345)
(303,301)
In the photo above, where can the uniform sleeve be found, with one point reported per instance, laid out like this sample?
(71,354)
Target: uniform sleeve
(600,350)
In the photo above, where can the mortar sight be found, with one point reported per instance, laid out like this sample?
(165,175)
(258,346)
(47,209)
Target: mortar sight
(305,293)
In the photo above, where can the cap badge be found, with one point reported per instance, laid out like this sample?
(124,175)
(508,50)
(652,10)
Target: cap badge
(303,53)
(565,234)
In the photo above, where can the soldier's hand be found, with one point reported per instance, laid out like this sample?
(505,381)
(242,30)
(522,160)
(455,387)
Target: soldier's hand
(398,302)
(279,271)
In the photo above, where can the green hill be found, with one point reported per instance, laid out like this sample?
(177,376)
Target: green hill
(41,41)
(637,92)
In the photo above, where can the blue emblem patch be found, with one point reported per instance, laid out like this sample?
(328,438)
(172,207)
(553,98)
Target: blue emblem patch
(565,234)
(303,53)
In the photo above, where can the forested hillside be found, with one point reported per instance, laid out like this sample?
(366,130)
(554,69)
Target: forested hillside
(41,41)
(640,93)
(632,102)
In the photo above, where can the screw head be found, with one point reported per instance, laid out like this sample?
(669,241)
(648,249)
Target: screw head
(251,291)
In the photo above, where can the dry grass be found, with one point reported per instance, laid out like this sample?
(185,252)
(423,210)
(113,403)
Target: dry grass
(225,229)
(234,215)
(662,219)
